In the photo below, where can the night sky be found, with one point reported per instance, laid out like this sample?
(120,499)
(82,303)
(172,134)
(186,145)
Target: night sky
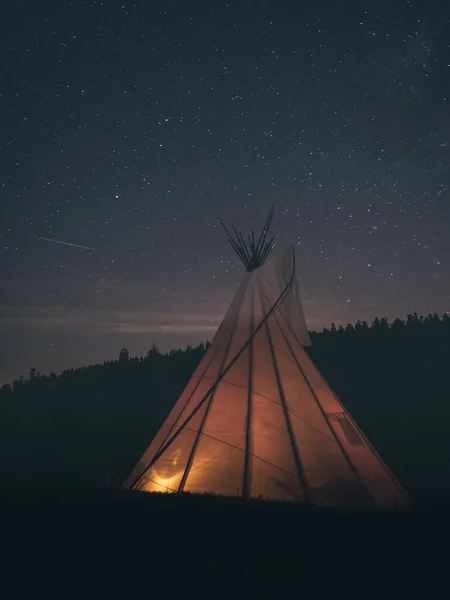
(129,127)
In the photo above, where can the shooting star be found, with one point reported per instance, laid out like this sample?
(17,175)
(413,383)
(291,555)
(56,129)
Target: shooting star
(67,244)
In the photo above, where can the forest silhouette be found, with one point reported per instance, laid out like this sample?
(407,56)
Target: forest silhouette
(85,428)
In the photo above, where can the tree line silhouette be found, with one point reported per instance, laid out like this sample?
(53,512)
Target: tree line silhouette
(414,323)
(85,428)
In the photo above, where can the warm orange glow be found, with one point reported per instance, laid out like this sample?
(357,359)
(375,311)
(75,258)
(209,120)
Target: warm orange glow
(165,476)
(168,469)
(155,483)
(165,483)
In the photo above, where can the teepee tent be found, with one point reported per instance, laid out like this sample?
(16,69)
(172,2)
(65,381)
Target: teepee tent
(257,419)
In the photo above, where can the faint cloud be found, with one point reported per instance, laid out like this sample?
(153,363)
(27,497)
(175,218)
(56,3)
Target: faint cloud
(54,318)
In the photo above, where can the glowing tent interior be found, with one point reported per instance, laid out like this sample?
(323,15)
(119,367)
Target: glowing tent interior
(257,419)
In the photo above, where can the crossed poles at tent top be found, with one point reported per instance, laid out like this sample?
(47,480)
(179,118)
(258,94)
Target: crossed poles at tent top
(252,253)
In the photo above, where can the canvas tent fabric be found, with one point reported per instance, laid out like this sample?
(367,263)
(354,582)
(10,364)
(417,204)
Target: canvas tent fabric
(258,420)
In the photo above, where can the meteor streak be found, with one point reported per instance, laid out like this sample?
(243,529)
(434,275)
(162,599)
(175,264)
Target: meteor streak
(67,243)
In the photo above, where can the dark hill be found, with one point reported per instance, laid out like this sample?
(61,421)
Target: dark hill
(83,430)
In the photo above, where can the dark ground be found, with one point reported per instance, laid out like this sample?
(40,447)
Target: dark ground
(191,543)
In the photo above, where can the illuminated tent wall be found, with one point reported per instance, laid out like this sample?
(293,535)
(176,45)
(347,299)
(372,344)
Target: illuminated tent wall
(257,418)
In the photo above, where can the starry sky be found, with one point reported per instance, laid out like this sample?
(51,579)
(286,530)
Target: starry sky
(129,127)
